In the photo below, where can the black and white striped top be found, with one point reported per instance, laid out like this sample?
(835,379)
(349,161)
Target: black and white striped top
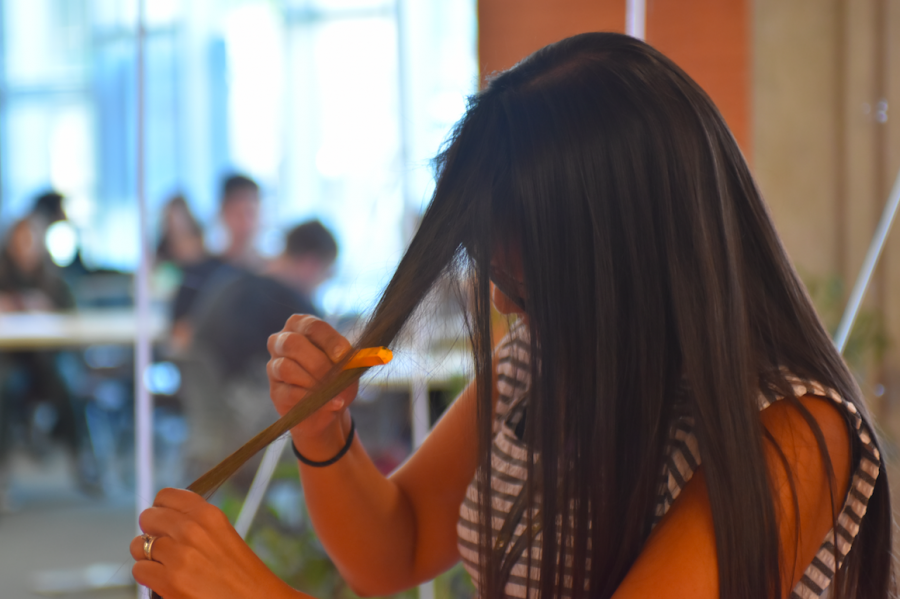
(508,473)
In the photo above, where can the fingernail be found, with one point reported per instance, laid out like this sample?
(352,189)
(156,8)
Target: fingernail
(279,343)
(337,404)
(336,352)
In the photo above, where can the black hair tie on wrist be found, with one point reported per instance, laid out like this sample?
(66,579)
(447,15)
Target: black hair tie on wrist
(339,454)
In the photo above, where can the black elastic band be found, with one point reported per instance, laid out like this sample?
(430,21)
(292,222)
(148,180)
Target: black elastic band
(339,455)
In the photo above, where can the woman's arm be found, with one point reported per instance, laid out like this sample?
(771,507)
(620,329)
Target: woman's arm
(384,534)
(679,559)
(388,534)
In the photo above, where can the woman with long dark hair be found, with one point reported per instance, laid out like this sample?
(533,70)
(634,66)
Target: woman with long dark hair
(667,417)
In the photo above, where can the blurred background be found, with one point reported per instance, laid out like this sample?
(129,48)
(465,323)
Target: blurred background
(287,148)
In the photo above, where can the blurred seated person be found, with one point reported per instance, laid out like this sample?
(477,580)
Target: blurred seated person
(182,241)
(181,245)
(28,280)
(47,210)
(233,321)
(35,402)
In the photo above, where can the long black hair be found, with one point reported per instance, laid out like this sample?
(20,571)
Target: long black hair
(649,262)
(648,259)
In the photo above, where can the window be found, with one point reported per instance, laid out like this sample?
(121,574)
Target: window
(335,106)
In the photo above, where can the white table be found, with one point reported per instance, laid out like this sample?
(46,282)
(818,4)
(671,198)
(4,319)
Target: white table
(58,330)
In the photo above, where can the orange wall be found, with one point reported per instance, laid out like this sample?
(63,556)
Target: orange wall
(510,30)
(710,39)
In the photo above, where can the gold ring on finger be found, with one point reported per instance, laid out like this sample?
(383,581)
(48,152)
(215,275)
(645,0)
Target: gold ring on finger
(148,546)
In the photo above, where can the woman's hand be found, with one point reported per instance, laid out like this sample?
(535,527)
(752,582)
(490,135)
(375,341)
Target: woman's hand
(302,353)
(197,554)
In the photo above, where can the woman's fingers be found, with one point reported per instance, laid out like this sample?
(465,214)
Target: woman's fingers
(286,370)
(151,575)
(162,521)
(320,333)
(328,340)
(136,548)
(162,550)
(300,349)
(182,515)
(180,499)
(288,381)
(197,553)
(297,323)
(299,357)
(302,353)
(285,396)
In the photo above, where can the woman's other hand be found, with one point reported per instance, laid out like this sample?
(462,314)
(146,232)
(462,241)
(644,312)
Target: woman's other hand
(302,353)
(197,554)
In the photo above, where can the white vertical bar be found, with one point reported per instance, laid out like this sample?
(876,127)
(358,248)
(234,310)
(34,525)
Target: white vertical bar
(143,410)
(636,18)
(421,415)
(418,385)
(421,426)
(865,275)
(410,212)
(259,485)
(3,152)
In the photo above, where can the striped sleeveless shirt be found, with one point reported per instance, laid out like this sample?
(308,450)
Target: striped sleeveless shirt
(682,458)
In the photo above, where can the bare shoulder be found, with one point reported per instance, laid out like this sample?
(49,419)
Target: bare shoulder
(792,430)
(808,485)
(680,560)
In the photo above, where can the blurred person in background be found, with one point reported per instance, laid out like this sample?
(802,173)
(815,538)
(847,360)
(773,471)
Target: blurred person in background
(181,241)
(239,211)
(233,320)
(181,248)
(28,279)
(240,215)
(36,404)
(49,209)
